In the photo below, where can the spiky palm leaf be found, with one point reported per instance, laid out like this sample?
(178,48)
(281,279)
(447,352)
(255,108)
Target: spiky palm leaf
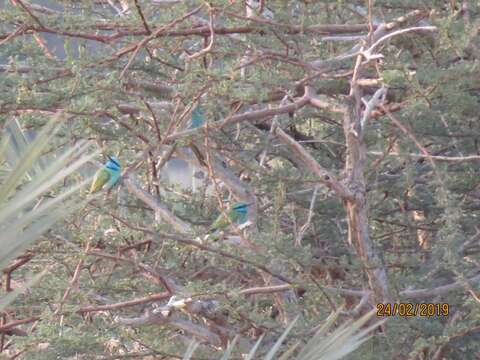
(24,214)
(322,346)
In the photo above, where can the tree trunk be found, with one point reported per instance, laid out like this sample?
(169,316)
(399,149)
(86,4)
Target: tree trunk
(356,208)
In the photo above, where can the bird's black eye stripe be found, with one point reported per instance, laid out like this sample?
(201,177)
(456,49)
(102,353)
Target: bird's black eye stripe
(242,206)
(115,162)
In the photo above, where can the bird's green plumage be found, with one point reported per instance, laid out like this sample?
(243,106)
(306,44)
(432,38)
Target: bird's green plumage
(100,179)
(236,214)
(107,176)
(198,118)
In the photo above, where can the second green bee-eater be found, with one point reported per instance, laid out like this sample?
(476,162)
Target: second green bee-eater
(236,214)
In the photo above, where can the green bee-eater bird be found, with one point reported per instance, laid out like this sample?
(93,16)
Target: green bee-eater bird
(237,214)
(198,119)
(107,175)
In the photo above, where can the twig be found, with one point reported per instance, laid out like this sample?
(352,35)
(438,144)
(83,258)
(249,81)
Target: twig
(9,326)
(24,7)
(371,104)
(144,21)
(155,120)
(200,332)
(20,261)
(160,278)
(212,37)
(145,40)
(368,54)
(440,290)
(274,124)
(263,155)
(154,204)
(417,143)
(356,310)
(123,304)
(18,31)
(323,175)
(73,281)
(186,241)
(111,3)
(248,116)
(434,157)
(304,227)
(44,46)
(265,289)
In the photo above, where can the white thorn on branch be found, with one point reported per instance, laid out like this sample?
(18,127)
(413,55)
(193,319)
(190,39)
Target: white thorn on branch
(270,135)
(371,104)
(369,55)
(304,227)
(212,38)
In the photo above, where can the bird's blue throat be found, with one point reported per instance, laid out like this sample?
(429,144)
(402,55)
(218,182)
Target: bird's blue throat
(112,164)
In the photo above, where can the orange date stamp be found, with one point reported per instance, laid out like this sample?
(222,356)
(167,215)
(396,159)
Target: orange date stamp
(412,309)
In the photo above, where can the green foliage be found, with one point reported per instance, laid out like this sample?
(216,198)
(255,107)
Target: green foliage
(118,84)
(393,78)
(63,342)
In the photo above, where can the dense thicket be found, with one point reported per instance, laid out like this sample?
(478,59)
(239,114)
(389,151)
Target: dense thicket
(351,126)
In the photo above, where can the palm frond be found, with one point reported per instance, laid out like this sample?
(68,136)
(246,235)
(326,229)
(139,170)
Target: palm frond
(322,346)
(25,210)
(28,158)
(341,342)
(190,350)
